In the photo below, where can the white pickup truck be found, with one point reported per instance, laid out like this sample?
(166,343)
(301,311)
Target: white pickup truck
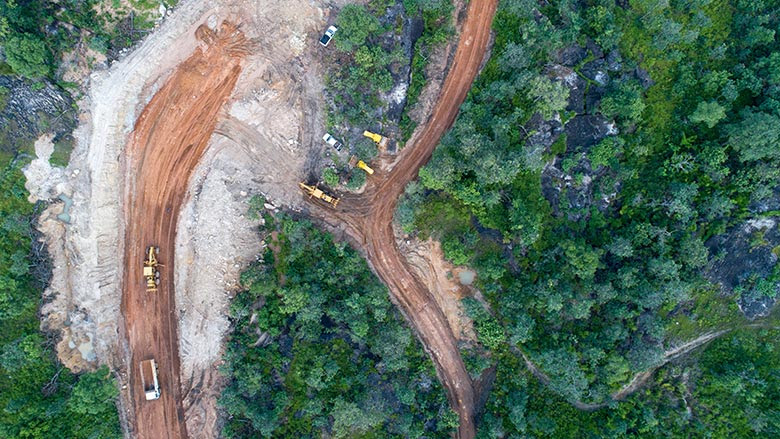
(330,140)
(328,35)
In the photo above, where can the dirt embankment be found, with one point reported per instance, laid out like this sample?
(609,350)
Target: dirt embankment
(444,282)
(84,295)
(367,217)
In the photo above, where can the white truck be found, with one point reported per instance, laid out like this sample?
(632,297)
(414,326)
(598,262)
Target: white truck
(332,141)
(149,379)
(328,35)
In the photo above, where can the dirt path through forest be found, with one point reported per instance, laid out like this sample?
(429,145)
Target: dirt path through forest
(638,380)
(169,139)
(367,217)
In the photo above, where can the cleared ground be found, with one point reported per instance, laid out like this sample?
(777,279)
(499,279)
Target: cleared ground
(368,217)
(134,187)
(169,139)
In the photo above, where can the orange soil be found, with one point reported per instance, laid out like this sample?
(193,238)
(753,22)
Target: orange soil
(169,139)
(367,218)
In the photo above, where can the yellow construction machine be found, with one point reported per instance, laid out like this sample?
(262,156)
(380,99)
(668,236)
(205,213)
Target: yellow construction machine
(353,161)
(315,192)
(151,269)
(380,140)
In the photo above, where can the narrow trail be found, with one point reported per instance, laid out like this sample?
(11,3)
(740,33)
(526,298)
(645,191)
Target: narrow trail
(638,380)
(168,141)
(367,218)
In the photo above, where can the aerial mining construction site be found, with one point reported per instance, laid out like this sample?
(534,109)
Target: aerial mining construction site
(223,101)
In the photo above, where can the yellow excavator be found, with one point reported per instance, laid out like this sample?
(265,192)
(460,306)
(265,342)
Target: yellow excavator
(151,269)
(315,192)
(380,140)
(353,161)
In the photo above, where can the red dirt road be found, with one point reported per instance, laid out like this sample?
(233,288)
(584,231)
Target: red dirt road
(368,218)
(168,141)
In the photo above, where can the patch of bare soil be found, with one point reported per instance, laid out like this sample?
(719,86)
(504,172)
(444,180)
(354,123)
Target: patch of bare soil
(215,241)
(265,139)
(443,281)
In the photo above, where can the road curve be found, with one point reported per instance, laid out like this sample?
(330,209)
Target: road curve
(167,143)
(368,217)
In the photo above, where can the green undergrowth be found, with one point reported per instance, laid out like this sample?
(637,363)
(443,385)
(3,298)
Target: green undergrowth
(39,397)
(317,349)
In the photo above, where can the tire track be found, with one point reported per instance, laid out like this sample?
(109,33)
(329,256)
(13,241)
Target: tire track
(367,218)
(167,143)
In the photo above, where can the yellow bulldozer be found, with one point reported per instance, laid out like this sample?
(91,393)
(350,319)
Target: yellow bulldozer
(151,269)
(315,192)
(353,161)
(380,140)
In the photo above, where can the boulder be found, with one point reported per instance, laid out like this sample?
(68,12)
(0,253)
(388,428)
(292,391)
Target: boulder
(741,259)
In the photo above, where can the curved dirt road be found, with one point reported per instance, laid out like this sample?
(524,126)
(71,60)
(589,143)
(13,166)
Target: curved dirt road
(168,140)
(368,217)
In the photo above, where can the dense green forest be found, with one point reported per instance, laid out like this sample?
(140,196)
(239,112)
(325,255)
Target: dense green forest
(730,390)
(318,350)
(39,398)
(613,179)
(34,34)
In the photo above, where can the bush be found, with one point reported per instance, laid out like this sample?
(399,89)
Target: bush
(355,25)
(357,180)
(330,177)
(27,56)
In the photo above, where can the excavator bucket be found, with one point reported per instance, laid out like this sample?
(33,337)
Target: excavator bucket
(362,165)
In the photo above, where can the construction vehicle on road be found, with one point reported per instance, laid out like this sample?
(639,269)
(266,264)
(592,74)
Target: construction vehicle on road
(149,372)
(151,269)
(315,192)
(353,161)
(380,140)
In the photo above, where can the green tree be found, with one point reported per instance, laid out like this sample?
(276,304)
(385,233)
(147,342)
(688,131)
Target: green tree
(755,136)
(92,392)
(355,25)
(605,152)
(27,56)
(330,177)
(548,96)
(708,113)
(357,180)
(623,102)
